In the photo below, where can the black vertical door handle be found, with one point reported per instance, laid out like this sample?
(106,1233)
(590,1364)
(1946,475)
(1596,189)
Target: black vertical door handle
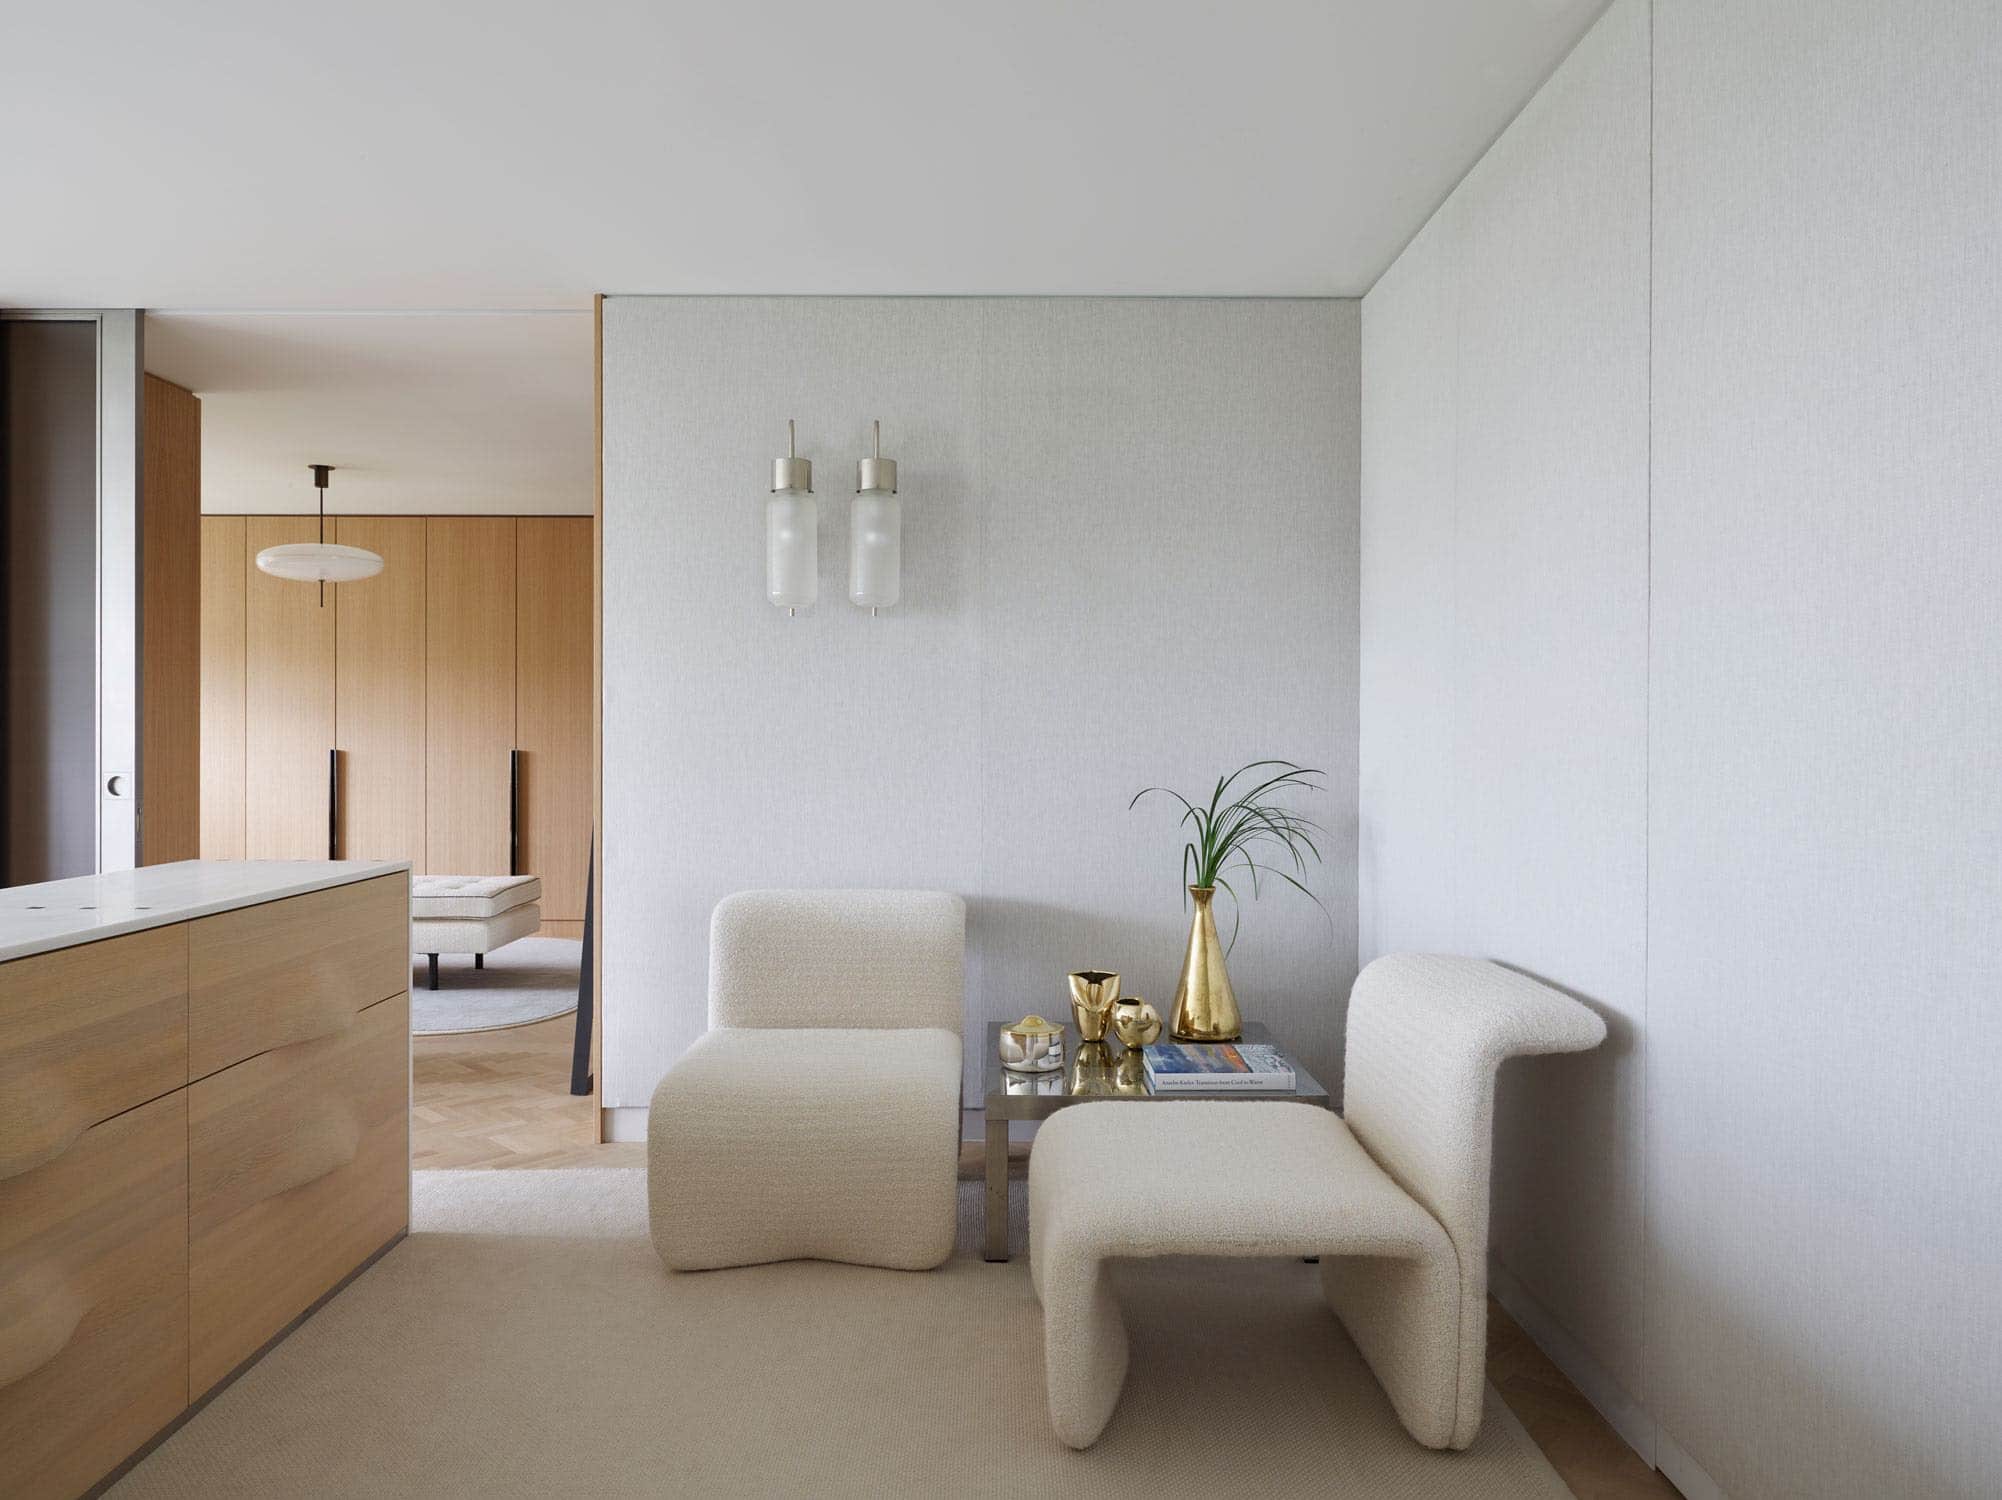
(333,804)
(514,812)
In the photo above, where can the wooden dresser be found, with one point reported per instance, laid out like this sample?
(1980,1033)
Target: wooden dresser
(204,1131)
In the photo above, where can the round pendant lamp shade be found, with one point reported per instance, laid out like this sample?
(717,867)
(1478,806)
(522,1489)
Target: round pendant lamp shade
(323,561)
(319,562)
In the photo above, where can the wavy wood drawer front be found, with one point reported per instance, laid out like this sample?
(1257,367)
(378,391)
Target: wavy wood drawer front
(299,1169)
(289,971)
(94,1301)
(86,1032)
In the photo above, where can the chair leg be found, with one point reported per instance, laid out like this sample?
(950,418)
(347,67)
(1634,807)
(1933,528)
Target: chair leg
(1415,1324)
(434,971)
(1084,1349)
(479,960)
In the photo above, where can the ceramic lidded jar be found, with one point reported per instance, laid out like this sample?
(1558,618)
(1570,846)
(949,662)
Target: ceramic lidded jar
(1032,1045)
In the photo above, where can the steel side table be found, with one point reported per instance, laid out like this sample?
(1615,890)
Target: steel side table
(1116,1075)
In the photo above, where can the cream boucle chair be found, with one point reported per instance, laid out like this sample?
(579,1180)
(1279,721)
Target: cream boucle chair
(1393,1198)
(818,1118)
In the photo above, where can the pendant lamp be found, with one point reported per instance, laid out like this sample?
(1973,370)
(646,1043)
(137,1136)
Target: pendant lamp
(322,562)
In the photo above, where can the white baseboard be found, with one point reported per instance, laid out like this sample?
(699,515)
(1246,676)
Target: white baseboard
(625,1122)
(1622,1412)
(1684,1472)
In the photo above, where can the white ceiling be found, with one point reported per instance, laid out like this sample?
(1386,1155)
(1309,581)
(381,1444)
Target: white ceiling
(426,414)
(520,153)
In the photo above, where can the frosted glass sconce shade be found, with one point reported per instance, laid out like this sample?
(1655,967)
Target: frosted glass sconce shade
(875,551)
(876,533)
(792,551)
(792,532)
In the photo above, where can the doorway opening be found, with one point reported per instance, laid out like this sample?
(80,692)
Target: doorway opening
(439,711)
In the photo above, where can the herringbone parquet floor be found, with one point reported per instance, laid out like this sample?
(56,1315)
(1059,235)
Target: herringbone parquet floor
(502,1099)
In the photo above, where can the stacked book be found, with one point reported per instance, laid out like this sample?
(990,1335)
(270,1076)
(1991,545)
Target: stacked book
(1217,1067)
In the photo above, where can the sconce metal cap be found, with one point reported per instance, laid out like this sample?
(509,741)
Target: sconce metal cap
(792,476)
(876,476)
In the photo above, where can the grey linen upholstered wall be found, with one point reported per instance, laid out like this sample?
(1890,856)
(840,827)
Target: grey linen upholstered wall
(1129,557)
(1682,546)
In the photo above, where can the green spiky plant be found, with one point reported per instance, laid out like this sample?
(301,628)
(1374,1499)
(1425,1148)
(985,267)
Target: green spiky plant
(1248,830)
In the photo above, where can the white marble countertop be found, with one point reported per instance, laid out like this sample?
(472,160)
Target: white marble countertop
(62,913)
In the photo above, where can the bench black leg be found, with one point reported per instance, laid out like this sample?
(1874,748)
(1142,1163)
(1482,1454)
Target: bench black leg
(434,971)
(479,960)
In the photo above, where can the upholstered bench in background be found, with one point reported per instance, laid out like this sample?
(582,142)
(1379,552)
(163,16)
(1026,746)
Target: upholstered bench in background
(471,914)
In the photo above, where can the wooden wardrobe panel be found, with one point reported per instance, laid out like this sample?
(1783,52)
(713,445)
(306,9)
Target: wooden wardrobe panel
(94,1320)
(379,692)
(553,706)
(222,588)
(288,697)
(86,1033)
(469,621)
(170,667)
(298,1171)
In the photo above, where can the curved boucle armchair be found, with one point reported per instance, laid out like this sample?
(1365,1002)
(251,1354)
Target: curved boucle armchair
(818,1118)
(1393,1198)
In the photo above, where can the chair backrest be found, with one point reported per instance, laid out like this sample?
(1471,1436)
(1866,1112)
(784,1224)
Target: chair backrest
(857,958)
(1426,1035)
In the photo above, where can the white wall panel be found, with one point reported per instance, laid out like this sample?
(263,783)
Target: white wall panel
(1549,684)
(1129,557)
(1826,832)
(1505,643)
(1823,885)
(1408,792)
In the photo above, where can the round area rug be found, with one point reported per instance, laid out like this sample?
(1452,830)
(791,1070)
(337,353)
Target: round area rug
(531,979)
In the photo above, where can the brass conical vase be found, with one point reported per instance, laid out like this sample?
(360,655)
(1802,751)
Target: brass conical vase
(1205,1005)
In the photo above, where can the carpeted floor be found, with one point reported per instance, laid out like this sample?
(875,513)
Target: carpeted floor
(525,1341)
(531,979)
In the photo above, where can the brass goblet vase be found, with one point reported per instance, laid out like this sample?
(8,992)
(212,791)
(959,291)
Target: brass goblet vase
(1093,994)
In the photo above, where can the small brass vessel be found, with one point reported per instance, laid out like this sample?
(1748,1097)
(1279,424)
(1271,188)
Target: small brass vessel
(1135,1022)
(1093,994)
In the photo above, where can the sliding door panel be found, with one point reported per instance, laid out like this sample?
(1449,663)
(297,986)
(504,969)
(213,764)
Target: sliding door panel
(553,707)
(379,697)
(48,631)
(288,701)
(469,623)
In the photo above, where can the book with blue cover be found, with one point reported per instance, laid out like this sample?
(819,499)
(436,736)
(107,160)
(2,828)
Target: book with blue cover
(1198,1067)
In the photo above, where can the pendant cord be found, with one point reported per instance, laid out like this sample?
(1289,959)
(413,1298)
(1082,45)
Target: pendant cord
(320,485)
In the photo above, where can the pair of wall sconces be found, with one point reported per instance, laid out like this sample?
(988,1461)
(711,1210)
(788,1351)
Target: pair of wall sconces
(792,533)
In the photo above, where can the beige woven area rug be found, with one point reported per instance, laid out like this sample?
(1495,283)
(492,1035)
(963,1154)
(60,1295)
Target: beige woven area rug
(525,1341)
